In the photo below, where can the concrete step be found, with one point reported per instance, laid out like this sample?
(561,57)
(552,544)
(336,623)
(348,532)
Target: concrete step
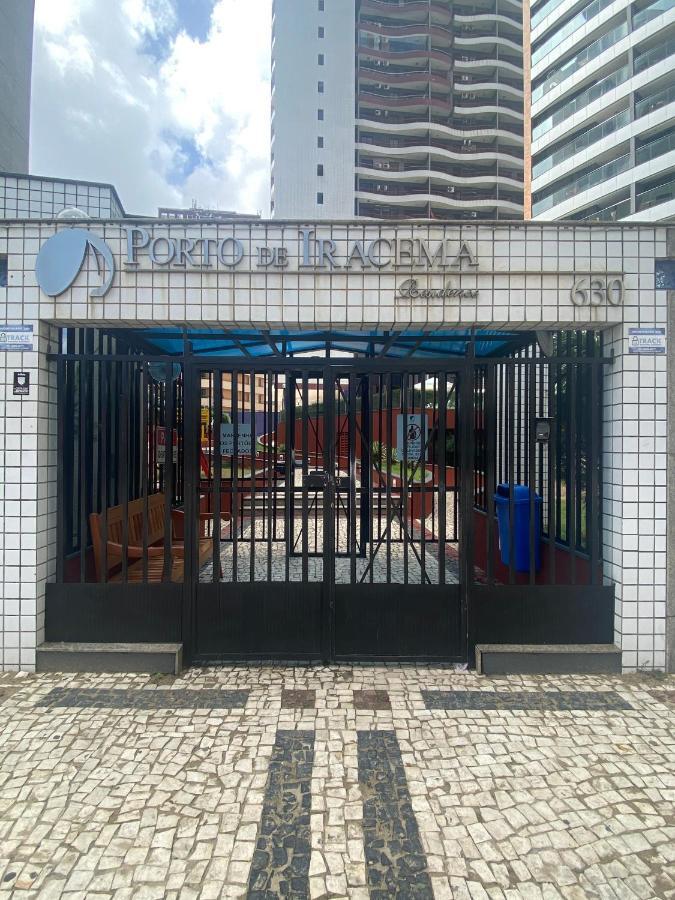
(54,656)
(548,659)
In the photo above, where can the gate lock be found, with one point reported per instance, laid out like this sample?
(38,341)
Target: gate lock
(317,480)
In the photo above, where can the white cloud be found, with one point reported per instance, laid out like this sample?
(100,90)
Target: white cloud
(103,110)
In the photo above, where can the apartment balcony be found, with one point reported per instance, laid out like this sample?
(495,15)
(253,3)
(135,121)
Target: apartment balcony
(409,9)
(480,153)
(411,79)
(410,122)
(401,31)
(454,176)
(489,107)
(469,10)
(467,199)
(490,81)
(484,62)
(398,57)
(392,102)
(465,15)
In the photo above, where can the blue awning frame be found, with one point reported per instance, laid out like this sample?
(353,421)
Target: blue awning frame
(253,343)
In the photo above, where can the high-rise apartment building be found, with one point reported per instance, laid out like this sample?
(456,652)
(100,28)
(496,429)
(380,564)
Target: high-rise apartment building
(603,109)
(397,109)
(16,56)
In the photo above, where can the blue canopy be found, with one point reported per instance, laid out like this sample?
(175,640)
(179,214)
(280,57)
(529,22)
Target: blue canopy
(242,342)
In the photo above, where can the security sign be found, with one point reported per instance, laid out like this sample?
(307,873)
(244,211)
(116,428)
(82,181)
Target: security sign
(414,427)
(160,437)
(647,341)
(244,440)
(21,384)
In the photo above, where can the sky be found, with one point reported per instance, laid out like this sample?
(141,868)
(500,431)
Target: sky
(169,100)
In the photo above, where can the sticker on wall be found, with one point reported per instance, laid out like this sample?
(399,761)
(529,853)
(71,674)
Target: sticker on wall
(21,384)
(16,337)
(647,341)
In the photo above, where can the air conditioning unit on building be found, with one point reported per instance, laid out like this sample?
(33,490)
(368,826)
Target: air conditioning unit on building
(386,165)
(451,189)
(474,215)
(378,165)
(378,112)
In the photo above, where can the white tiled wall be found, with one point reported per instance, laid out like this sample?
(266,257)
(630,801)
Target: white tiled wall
(29,197)
(634,394)
(27,499)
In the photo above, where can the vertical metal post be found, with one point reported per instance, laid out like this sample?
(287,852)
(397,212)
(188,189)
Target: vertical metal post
(594,508)
(254,511)
(122,463)
(216,463)
(351,443)
(145,441)
(305,472)
(490,426)
(192,444)
(531,466)
(168,471)
(573,462)
(510,450)
(329,451)
(234,474)
(466,444)
(442,413)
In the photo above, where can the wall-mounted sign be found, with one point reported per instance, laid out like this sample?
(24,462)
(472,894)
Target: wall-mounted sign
(21,384)
(647,341)
(244,440)
(415,427)
(160,443)
(409,290)
(16,337)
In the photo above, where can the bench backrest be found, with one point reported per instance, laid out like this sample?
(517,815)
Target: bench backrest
(115,528)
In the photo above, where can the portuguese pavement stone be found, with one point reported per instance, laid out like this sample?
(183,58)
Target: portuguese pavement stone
(217,783)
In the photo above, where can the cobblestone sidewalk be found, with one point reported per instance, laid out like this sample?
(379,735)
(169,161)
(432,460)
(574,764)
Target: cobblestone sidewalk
(359,782)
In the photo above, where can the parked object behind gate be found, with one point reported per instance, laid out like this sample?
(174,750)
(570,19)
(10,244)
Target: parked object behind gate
(521,526)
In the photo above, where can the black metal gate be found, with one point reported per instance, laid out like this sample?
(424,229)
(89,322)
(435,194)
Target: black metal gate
(322,503)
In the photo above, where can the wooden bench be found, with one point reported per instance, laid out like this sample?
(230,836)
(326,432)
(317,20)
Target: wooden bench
(156,510)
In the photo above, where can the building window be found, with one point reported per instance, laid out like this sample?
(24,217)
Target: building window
(322,5)
(320,112)
(321,31)
(319,142)
(319,198)
(319,169)
(321,59)
(3,271)
(320,87)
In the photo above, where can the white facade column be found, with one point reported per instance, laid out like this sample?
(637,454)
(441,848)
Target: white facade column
(634,470)
(27,498)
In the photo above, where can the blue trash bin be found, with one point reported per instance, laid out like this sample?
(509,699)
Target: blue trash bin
(521,526)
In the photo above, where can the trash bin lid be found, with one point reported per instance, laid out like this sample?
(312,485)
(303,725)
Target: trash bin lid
(520,492)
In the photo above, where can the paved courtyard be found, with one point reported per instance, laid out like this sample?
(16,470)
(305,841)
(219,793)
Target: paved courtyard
(358,782)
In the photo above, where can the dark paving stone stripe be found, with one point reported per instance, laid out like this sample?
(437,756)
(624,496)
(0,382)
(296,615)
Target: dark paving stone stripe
(280,866)
(101,698)
(396,864)
(372,700)
(546,701)
(297,699)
